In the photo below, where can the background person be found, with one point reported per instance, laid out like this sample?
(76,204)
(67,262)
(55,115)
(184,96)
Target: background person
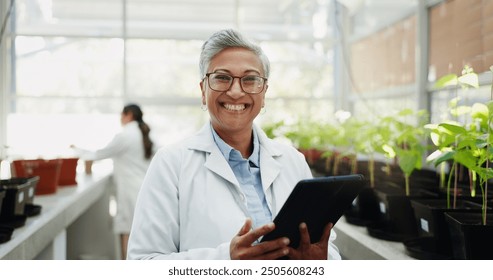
(213,195)
(131,151)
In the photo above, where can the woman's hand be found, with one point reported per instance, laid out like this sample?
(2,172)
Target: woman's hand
(242,247)
(308,251)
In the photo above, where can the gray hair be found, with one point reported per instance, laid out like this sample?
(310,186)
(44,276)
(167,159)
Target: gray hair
(229,38)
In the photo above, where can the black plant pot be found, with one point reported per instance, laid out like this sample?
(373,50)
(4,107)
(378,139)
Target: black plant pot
(364,209)
(434,240)
(13,206)
(5,233)
(2,195)
(29,188)
(471,240)
(396,221)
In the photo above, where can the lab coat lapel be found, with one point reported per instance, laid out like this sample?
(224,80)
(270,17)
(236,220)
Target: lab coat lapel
(215,160)
(270,166)
(216,163)
(270,169)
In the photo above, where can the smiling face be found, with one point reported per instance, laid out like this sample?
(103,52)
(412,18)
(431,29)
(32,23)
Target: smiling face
(233,111)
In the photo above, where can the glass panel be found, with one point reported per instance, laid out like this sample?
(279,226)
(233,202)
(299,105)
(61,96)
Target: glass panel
(68,67)
(290,111)
(170,124)
(69,17)
(50,135)
(189,19)
(43,134)
(461,34)
(299,70)
(163,68)
(51,106)
(440,101)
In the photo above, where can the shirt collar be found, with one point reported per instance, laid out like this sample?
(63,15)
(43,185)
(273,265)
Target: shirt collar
(226,149)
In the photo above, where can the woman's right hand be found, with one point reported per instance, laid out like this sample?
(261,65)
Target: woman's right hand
(242,247)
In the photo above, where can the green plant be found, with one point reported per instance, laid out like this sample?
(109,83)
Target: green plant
(470,145)
(445,135)
(371,139)
(407,140)
(309,136)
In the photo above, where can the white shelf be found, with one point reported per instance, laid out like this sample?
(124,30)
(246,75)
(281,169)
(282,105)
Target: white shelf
(45,235)
(355,243)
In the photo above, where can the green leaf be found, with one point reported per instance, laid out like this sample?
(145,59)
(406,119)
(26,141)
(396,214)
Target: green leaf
(454,129)
(408,161)
(467,159)
(447,80)
(479,110)
(438,157)
(388,150)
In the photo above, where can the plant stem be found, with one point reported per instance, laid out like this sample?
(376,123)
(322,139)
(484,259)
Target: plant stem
(328,161)
(406,178)
(442,175)
(485,199)
(337,160)
(452,170)
(371,169)
(485,196)
(472,182)
(354,163)
(455,185)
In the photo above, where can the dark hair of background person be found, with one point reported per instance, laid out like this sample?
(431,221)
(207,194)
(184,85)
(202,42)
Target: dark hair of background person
(138,117)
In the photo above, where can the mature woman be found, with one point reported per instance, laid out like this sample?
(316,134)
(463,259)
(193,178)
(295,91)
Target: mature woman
(130,150)
(215,194)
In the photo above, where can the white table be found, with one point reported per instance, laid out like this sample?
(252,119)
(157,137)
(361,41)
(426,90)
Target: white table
(355,243)
(72,222)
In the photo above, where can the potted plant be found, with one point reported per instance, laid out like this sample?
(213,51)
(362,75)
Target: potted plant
(472,231)
(407,142)
(443,138)
(308,136)
(369,142)
(434,238)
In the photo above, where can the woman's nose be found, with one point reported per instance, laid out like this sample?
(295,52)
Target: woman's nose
(235,91)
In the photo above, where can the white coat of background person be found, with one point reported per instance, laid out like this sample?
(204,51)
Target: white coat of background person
(131,151)
(195,203)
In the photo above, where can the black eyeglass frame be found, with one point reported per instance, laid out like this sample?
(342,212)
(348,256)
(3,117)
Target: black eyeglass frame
(232,81)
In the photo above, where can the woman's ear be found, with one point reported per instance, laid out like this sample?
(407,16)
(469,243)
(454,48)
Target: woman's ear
(202,89)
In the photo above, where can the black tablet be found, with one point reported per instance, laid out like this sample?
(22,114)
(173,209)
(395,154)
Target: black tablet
(316,202)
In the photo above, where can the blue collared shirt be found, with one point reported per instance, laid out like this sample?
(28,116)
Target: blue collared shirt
(247,172)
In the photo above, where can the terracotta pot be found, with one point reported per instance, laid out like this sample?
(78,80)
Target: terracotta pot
(68,172)
(47,170)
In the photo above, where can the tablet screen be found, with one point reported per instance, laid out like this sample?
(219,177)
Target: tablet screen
(316,202)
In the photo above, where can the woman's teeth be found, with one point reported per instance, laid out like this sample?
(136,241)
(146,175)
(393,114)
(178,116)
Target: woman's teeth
(232,107)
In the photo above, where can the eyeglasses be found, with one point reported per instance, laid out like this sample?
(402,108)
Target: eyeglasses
(251,84)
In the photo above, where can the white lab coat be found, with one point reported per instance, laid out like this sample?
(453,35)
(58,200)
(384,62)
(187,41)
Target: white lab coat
(191,205)
(129,167)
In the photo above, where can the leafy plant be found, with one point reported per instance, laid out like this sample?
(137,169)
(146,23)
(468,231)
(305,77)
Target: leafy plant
(445,135)
(371,139)
(407,140)
(469,145)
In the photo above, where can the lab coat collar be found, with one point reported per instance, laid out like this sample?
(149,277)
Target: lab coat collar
(204,141)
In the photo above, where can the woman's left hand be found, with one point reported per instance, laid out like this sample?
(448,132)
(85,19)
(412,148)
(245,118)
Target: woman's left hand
(308,251)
